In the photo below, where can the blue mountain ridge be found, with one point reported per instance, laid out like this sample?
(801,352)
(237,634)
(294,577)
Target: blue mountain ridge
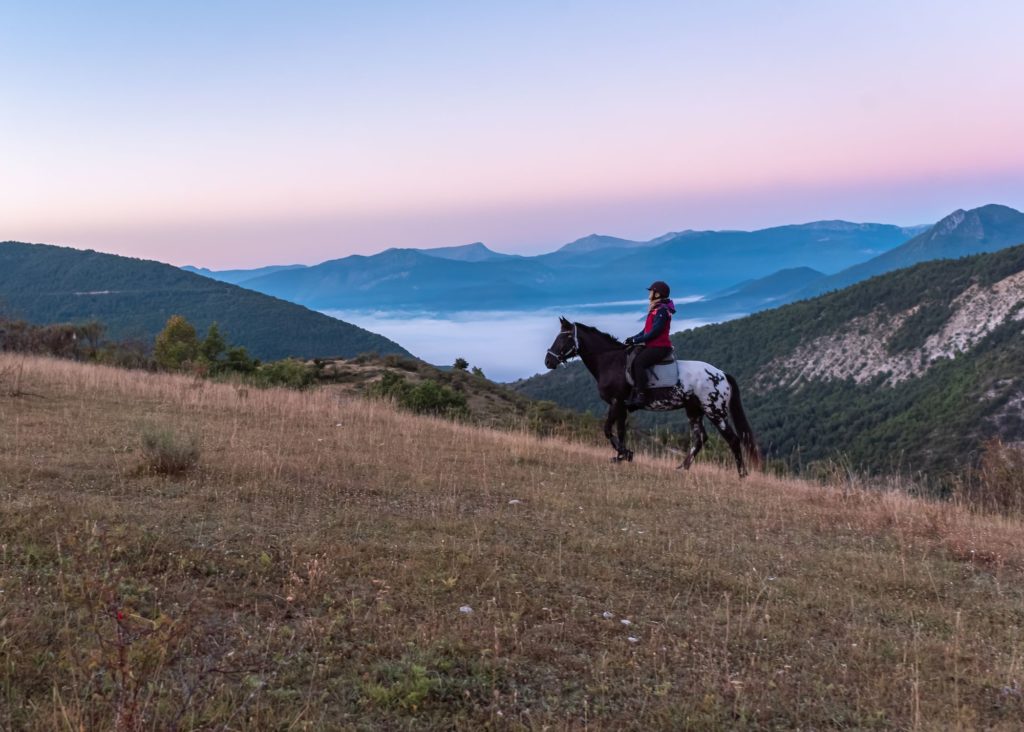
(592,269)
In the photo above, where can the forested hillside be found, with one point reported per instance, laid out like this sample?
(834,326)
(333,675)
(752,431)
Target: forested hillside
(134,298)
(910,371)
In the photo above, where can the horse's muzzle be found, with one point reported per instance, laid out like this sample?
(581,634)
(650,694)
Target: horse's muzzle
(551,362)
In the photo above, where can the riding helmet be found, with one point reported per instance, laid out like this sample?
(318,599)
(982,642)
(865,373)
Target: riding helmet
(660,288)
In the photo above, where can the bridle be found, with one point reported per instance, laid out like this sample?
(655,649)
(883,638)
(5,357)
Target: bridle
(562,358)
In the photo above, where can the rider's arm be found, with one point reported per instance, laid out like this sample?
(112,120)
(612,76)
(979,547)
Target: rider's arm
(660,323)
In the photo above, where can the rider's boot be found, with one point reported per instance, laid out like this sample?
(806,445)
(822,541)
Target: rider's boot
(637,399)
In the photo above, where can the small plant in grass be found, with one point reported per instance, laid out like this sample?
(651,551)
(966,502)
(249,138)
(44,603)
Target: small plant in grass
(168,452)
(10,379)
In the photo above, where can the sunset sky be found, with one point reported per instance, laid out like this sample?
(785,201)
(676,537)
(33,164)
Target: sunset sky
(243,133)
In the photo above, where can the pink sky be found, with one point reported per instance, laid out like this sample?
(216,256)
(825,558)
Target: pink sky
(223,138)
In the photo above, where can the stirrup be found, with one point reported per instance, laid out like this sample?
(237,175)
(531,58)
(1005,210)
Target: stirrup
(636,400)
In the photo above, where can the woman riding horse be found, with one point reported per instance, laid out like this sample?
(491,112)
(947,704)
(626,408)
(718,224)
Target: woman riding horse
(654,339)
(703,391)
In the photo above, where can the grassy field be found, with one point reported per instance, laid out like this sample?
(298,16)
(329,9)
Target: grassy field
(331,563)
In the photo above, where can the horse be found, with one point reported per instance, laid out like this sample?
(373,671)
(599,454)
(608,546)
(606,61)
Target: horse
(702,390)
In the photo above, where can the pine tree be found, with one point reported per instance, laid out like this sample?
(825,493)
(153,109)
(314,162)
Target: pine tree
(213,346)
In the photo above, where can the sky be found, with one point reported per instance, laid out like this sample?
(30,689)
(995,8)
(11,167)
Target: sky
(241,133)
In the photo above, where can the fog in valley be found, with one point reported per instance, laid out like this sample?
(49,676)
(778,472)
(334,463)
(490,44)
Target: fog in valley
(506,345)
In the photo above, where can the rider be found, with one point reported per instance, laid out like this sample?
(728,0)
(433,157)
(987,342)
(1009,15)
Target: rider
(654,338)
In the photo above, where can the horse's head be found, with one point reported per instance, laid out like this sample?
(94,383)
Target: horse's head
(566,345)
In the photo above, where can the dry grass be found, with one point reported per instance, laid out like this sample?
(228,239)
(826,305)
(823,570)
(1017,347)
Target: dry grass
(309,574)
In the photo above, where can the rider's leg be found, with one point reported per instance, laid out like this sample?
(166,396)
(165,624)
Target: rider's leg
(647,357)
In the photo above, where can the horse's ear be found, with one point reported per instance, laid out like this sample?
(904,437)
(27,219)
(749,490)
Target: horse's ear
(563,321)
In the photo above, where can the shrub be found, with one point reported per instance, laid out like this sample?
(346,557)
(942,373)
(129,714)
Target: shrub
(998,483)
(401,362)
(289,372)
(168,452)
(426,397)
(239,361)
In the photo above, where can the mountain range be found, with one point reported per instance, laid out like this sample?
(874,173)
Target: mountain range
(733,272)
(961,233)
(593,269)
(134,298)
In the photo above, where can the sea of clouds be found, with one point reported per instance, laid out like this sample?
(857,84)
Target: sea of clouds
(507,345)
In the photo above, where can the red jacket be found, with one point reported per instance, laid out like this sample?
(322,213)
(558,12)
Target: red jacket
(658,326)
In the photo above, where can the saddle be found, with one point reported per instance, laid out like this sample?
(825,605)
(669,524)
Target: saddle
(664,374)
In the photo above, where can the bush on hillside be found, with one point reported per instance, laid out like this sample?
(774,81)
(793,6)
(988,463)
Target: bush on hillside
(426,397)
(401,362)
(289,373)
(167,452)
(998,484)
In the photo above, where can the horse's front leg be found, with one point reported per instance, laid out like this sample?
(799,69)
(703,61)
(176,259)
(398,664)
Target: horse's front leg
(624,452)
(617,418)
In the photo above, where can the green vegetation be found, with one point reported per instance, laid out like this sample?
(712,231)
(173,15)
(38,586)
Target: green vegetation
(167,451)
(134,298)
(176,345)
(425,397)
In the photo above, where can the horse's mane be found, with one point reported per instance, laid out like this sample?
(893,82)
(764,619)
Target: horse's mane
(612,340)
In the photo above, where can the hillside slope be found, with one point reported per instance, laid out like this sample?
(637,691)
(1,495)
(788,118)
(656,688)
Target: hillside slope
(912,370)
(334,564)
(135,297)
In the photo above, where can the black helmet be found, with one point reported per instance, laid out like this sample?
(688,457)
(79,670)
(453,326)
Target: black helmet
(660,288)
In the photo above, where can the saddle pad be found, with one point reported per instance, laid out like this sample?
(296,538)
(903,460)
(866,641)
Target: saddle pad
(662,375)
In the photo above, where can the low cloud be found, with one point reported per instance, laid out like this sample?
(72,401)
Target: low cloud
(506,345)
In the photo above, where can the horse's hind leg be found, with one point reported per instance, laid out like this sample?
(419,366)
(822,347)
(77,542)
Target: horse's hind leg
(697,438)
(735,444)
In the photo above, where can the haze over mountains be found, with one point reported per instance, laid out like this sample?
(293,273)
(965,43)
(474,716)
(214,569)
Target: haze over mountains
(592,269)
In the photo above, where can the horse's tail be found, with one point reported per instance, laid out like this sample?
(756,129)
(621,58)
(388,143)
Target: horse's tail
(739,417)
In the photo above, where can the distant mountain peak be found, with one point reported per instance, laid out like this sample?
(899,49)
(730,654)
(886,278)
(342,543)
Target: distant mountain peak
(977,223)
(949,223)
(594,242)
(475,252)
